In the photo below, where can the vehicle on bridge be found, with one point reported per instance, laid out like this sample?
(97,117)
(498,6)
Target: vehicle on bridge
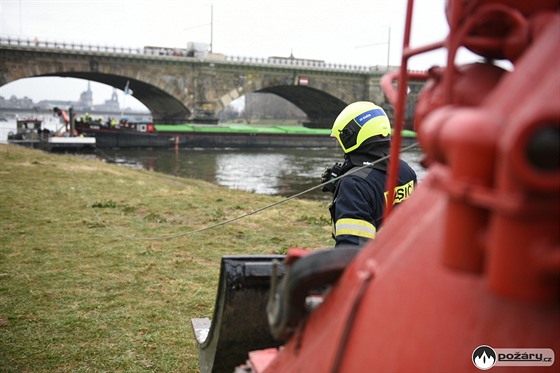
(166,51)
(194,50)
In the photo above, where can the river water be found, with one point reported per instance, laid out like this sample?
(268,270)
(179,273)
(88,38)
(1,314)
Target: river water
(282,172)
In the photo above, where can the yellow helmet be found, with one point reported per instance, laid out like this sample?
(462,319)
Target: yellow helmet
(359,122)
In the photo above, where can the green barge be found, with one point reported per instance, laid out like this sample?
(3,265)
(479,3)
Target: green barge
(227,135)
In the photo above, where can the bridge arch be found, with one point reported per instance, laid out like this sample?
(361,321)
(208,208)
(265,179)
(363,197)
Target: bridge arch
(320,107)
(165,108)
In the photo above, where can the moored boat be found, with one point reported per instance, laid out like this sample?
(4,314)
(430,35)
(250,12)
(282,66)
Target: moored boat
(31,133)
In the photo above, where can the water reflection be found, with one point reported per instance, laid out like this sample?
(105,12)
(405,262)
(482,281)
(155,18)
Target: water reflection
(260,173)
(275,171)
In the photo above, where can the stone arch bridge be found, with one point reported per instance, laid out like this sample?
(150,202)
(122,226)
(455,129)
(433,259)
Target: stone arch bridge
(179,87)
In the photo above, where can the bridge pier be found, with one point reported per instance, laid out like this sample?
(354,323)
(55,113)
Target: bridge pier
(204,112)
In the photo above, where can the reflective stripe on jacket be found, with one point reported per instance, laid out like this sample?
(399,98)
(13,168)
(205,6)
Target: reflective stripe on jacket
(355,227)
(359,201)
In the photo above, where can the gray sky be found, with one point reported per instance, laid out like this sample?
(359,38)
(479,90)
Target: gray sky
(349,31)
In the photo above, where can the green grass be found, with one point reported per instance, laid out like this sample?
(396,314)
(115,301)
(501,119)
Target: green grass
(88,284)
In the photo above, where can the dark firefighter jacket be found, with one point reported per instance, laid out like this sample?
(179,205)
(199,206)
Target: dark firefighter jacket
(359,201)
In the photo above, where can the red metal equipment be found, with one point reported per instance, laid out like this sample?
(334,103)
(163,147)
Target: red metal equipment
(473,257)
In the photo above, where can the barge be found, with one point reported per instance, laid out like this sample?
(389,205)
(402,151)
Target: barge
(232,135)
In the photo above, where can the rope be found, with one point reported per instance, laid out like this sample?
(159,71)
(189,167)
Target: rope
(353,170)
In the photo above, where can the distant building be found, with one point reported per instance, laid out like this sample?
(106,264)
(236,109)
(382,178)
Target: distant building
(50,104)
(111,105)
(17,103)
(83,105)
(86,99)
(110,108)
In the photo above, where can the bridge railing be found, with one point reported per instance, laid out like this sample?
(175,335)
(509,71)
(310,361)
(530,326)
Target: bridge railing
(296,62)
(173,53)
(67,45)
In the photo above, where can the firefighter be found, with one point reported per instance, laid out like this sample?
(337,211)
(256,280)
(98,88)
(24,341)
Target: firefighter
(364,133)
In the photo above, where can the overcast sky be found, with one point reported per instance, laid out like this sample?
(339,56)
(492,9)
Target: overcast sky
(337,31)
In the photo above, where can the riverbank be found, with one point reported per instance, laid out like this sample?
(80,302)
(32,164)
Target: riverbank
(86,285)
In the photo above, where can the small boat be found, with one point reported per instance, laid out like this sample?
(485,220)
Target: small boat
(30,132)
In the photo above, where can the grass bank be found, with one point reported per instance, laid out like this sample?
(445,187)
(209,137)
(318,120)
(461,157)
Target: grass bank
(82,289)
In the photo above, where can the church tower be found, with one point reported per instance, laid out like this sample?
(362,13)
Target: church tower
(86,98)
